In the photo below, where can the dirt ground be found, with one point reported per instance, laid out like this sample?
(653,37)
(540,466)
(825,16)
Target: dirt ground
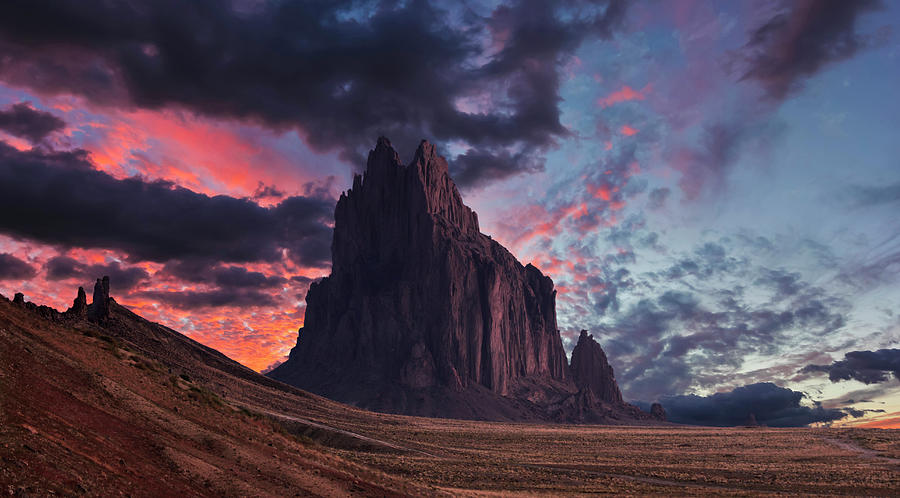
(101,412)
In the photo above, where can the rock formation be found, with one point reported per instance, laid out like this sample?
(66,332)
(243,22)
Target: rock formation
(99,309)
(19,299)
(591,370)
(423,314)
(658,412)
(79,306)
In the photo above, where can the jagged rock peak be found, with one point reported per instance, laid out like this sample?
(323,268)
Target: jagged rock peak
(79,306)
(100,305)
(441,195)
(19,298)
(427,173)
(591,370)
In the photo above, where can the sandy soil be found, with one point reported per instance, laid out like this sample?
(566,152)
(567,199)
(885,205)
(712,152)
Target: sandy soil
(103,412)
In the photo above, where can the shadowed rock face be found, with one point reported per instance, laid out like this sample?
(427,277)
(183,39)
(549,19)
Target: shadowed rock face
(79,306)
(591,370)
(657,411)
(423,314)
(99,308)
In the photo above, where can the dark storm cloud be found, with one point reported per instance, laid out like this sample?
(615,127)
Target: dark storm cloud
(266,192)
(480,166)
(13,268)
(188,300)
(342,71)
(23,121)
(769,404)
(122,277)
(225,285)
(868,367)
(802,39)
(57,198)
(856,413)
(222,276)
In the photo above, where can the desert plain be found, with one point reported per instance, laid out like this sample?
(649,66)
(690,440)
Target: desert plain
(136,409)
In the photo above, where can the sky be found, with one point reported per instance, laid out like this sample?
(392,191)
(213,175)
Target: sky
(712,186)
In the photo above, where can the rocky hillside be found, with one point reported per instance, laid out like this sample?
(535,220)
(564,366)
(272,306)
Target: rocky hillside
(425,315)
(97,401)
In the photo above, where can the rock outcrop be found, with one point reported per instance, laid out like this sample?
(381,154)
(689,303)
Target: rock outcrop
(591,370)
(423,314)
(99,309)
(79,306)
(19,298)
(658,412)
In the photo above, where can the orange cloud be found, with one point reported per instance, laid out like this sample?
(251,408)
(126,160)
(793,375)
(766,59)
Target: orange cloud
(883,421)
(15,142)
(623,95)
(256,337)
(628,131)
(206,156)
(888,423)
(602,192)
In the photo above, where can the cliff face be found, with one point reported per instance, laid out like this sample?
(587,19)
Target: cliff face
(422,313)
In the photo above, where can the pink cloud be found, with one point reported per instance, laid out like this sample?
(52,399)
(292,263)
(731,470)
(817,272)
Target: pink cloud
(625,94)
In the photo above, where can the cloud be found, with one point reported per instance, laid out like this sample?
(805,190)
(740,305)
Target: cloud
(267,192)
(723,141)
(189,300)
(868,367)
(13,268)
(342,72)
(874,195)
(658,197)
(222,276)
(799,41)
(479,166)
(23,121)
(770,405)
(701,315)
(624,95)
(122,278)
(57,198)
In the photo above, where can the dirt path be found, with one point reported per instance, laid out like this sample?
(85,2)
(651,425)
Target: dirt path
(360,437)
(863,452)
